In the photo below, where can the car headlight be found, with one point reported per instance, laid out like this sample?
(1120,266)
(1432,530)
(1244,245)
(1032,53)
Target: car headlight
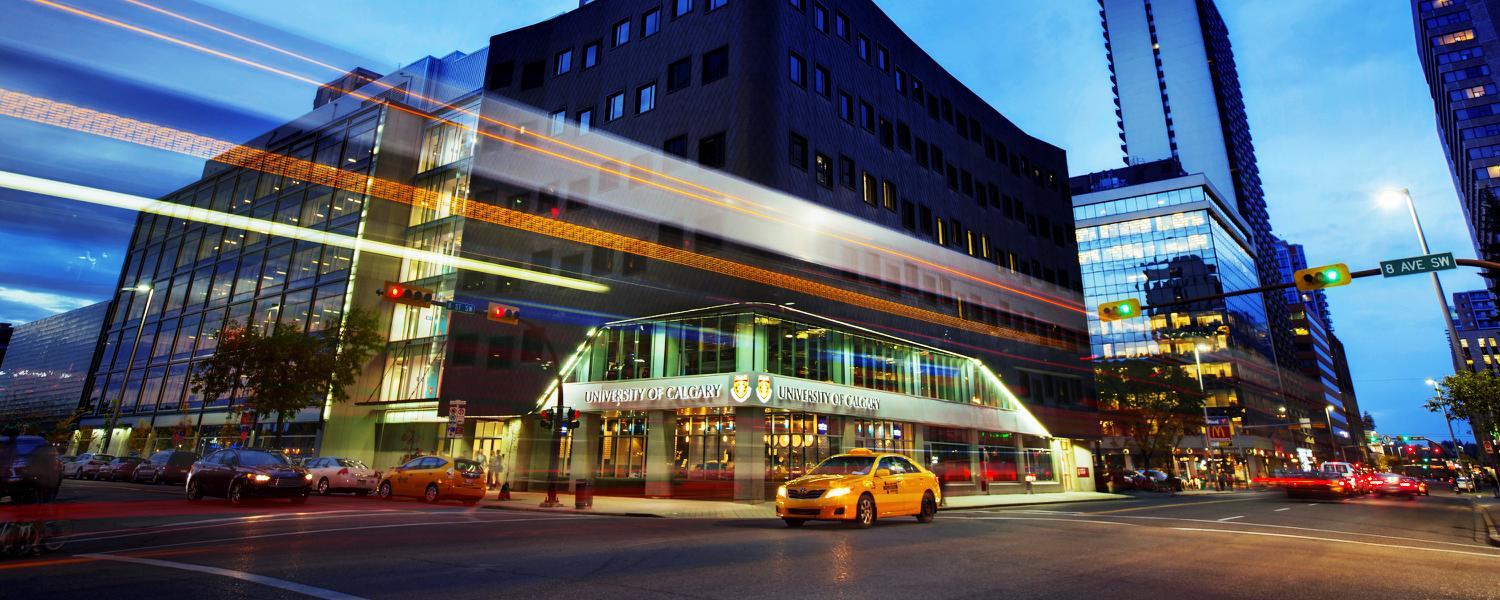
(261,478)
(836,492)
(307,476)
(781,492)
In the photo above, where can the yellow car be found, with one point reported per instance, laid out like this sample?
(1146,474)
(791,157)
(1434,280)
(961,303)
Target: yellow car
(860,486)
(434,478)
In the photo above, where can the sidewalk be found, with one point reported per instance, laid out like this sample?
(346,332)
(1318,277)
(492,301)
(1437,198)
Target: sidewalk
(1489,510)
(720,509)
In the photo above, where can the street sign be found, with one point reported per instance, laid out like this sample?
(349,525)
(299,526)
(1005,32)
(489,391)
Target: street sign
(1220,432)
(456,411)
(1417,264)
(456,306)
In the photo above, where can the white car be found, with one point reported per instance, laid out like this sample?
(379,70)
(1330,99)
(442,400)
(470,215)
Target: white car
(331,474)
(86,465)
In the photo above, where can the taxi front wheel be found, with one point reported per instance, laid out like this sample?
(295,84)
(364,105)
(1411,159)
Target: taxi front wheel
(864,512)
(795,522)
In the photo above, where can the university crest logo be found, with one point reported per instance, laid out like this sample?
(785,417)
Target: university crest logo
(763,388)
(740,390)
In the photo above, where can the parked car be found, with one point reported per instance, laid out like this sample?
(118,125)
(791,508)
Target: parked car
(120,468)
(332,474)
(434,478)
(29,469)
(86,465)
(1463,484)
(167,466)
(238,474)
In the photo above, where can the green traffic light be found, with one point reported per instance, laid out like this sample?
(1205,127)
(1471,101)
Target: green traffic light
(1331,275)
(1125,309)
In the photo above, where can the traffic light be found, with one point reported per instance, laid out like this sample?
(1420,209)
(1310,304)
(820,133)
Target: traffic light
(546,415)
(573,416)
(1120,309)
(410,295)
(1325,276)
(501,313)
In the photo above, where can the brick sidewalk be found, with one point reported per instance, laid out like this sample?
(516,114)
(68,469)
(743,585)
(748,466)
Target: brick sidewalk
(719,509)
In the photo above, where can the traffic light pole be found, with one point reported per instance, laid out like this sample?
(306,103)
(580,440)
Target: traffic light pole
(559,423)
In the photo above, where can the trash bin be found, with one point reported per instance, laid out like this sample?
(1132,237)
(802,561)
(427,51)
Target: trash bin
(583,494)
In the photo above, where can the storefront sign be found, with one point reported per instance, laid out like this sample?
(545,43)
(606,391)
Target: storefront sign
(1083,472)
(795,394)
(654,394)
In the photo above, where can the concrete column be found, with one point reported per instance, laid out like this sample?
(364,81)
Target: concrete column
(584,458)
(750,454)
(660,436)
(918,434)
(975,466)
(538,444)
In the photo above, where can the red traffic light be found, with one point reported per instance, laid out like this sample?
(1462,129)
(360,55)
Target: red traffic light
(410,295)
(501,313)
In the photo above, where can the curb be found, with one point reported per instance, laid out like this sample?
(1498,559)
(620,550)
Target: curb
(1489,523)
(563,510)
(942,507)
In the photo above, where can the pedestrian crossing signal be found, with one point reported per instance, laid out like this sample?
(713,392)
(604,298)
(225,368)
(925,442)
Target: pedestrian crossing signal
(1326,276)
(1120,309)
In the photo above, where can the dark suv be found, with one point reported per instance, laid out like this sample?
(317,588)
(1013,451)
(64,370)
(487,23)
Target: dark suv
(167,466)
(237,474)
(29,469)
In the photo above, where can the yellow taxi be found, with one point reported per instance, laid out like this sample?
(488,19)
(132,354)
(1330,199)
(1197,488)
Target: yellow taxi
(860,487)
(434,478)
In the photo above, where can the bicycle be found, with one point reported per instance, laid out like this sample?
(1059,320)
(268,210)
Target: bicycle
(33,537)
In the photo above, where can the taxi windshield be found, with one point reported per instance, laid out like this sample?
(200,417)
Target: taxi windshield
(845,465)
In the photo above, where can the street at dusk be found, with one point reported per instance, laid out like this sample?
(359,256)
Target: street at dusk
(749,298)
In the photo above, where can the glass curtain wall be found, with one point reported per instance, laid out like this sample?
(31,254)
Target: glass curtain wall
(704,445)
(797,441)
(622,445)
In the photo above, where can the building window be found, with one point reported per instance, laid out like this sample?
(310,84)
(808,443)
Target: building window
(650,22)
(681,7)
(941,229)
(841,26)
(862,47)
(558,121)
(903,136)
(887,134)
(1474,112)
(796,69)
(622,446)
(585,120)
(820,17)
(645,98)
(820,80)
(532,74)
(800,5)
(866,116)
(916,90)
(1460,55)
(900,82)
(1453,38)
(846,172)
(882,58)
(871,189)
(797,151)
(846,107)
(679,74)
(715,64)
(622,33)
(714,5)
(564,62)
(888,195)
(677,146)
(591,54)
(823,168)
(614,107)
(1471,93)
(1490,172)
(711,151)
(908,215)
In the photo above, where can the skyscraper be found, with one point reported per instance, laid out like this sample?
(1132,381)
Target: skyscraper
(1177,95)
(1458,45)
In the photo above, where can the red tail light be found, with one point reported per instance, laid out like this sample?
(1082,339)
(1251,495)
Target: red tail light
(343,471)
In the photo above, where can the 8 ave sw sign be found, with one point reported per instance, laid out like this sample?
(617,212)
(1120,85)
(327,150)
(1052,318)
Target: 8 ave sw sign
(1417,264)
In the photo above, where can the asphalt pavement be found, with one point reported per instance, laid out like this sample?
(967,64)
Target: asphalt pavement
(138,541)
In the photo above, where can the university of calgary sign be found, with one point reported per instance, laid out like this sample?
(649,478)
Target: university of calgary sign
(709,390)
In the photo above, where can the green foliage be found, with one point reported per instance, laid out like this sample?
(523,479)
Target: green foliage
(282,370)
(1154,405)
(1470,395)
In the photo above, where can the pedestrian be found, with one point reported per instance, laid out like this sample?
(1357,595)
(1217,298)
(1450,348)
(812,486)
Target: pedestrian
(481,459)
(497,465)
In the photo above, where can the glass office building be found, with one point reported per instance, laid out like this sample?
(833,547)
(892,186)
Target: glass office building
(47,365)
(1167,239)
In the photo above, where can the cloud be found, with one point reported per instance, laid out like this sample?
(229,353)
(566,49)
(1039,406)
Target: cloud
(43,301)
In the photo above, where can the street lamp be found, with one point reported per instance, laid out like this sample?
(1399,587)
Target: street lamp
(114,417)
(1333,439)
(1392,198)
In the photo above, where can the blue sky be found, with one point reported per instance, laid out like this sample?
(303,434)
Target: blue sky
(1337,105)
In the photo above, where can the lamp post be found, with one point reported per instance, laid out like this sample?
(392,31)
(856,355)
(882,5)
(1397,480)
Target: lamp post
(1333,439)
(1198,349)
(114,417)
(1458,451)
(1437,285)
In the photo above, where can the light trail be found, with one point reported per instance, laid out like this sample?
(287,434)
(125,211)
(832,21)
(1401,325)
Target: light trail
(41,110)
(521,130)
(58,189)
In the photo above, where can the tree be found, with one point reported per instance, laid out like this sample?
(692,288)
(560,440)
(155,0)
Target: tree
(1470,395)
(1368,421)
(1154,405)
(282,370)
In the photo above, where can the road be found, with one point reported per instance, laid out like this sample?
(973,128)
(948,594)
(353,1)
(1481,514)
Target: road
(155,544)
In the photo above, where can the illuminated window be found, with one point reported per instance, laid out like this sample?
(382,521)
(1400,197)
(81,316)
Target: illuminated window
(871,190)
(1470,93)
(888,195)
(1490,172)
(645,98)
(564,62)
(622,33)
(823,167)
(651,22)
(1453,38)
(557,121)
(591,53)
(797,69)
(681,7)
(614,107)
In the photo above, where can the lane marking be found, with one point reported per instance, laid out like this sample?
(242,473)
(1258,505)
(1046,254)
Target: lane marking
(1044,519)
(1281,509)
(213,523)
(1335,540)
(1231,518)
(281,584)
(360,528)
(1179,505)
(1296,528)
(258,516)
